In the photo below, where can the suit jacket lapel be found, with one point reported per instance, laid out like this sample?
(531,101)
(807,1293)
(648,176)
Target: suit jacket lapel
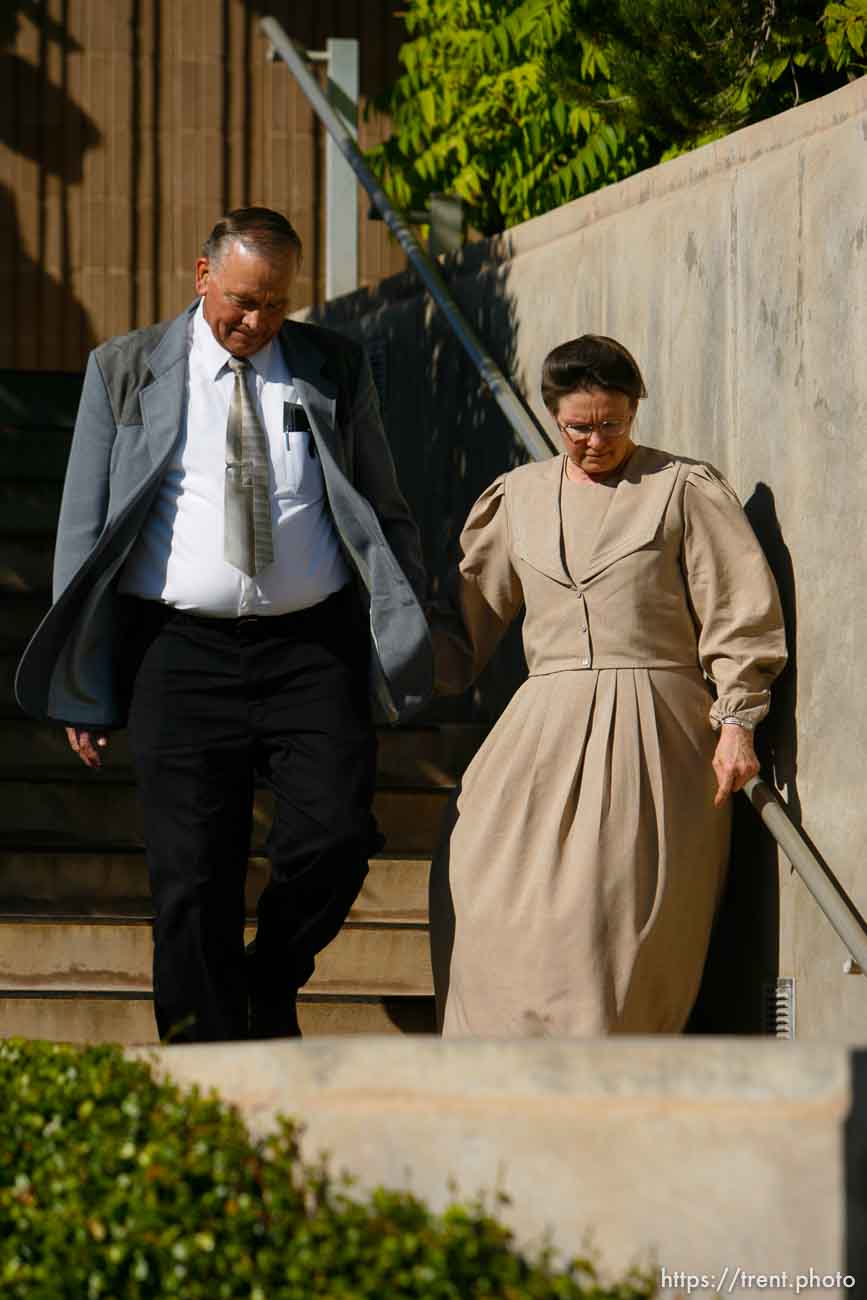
(316,389)
(162,402)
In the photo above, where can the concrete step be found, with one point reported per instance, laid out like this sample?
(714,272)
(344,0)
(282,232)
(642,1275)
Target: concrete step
(25,564)
(103,817)
(39,401)
(29,454)
(411,755)
(115,885)
(98,1018)
(8,705)
(87,956)
(29,508)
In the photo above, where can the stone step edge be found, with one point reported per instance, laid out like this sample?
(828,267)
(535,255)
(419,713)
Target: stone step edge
(399,1003)
(66,773)
(131,851)
(123,849)
(145,995)
(122,776)
(388,921)
(333,989)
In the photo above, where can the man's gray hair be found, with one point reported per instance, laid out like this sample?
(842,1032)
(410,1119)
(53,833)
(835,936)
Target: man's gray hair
(262,229)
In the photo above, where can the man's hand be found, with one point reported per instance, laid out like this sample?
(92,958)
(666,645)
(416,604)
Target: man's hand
(87,744)
(734,762)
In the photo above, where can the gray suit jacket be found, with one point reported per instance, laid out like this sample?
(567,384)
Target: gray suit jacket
(128,423)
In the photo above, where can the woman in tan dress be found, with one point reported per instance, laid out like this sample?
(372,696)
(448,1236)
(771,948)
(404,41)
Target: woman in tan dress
(575,889)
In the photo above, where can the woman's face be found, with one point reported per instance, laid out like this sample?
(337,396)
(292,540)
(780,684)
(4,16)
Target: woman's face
(595,428)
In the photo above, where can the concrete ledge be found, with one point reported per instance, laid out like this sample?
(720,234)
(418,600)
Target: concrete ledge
(698,1153)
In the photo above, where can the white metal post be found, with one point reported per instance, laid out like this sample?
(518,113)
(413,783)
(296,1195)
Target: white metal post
(341,186)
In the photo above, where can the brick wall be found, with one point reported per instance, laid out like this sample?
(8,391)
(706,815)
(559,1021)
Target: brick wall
(127,128)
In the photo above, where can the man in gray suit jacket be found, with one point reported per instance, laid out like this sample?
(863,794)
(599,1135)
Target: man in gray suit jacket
(237,577)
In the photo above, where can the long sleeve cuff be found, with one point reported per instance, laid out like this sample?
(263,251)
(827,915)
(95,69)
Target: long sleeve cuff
(751,709)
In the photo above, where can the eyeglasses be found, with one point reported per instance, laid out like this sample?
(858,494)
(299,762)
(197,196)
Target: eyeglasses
(610,429)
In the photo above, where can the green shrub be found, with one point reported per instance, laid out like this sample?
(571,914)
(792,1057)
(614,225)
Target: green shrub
(115,1186)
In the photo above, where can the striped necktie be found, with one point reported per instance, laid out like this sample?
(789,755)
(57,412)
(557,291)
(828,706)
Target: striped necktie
(248,543)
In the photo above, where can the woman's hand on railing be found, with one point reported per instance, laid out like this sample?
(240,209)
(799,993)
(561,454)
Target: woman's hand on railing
(734,762)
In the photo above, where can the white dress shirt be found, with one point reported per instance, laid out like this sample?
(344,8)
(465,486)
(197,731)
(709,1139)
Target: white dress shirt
(178,557)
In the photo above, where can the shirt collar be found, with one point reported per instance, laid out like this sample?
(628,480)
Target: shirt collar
(214,357)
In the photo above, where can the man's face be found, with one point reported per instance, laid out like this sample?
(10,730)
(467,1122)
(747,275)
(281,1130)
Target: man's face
(246,296)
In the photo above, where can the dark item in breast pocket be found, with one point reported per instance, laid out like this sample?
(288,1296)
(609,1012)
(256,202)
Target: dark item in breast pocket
(295,421)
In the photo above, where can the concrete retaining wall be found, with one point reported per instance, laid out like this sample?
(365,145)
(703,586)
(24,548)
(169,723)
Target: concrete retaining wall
(745,1155)
(738,275)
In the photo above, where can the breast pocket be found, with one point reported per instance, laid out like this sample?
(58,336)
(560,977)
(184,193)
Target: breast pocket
(303,473)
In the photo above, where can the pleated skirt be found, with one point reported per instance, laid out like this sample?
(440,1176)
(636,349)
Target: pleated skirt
(581,864)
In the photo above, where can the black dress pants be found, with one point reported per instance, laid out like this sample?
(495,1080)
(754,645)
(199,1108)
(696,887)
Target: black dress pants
(213,704)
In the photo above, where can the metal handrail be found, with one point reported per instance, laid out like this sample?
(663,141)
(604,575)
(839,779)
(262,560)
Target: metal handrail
(506,398)
(828,893)
(840,912)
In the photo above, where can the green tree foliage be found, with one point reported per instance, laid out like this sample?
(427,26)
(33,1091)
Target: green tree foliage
(715,67)
(846,35)
(479,114)
(519,105)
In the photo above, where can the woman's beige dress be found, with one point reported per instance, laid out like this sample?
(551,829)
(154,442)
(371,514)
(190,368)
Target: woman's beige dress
(574,889)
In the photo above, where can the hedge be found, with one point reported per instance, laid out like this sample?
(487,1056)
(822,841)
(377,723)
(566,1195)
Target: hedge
(115,1185)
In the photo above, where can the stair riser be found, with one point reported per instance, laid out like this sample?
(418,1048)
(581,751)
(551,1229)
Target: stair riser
(27,455)
(395,890)
(20,615)
(25,564)
(71,956)
(101,1020)
(54,815)
(28,509)
(8,704)
(407,756)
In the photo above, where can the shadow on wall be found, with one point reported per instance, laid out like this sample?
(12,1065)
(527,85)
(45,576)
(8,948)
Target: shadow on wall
(777,740)
(743,962)
(473,448)
(48,127)
(448,435)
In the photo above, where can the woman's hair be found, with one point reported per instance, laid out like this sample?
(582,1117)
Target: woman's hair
(593,361)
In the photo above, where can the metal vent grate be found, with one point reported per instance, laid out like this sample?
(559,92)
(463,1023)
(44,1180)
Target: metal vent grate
(377,355)
(779,1005)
